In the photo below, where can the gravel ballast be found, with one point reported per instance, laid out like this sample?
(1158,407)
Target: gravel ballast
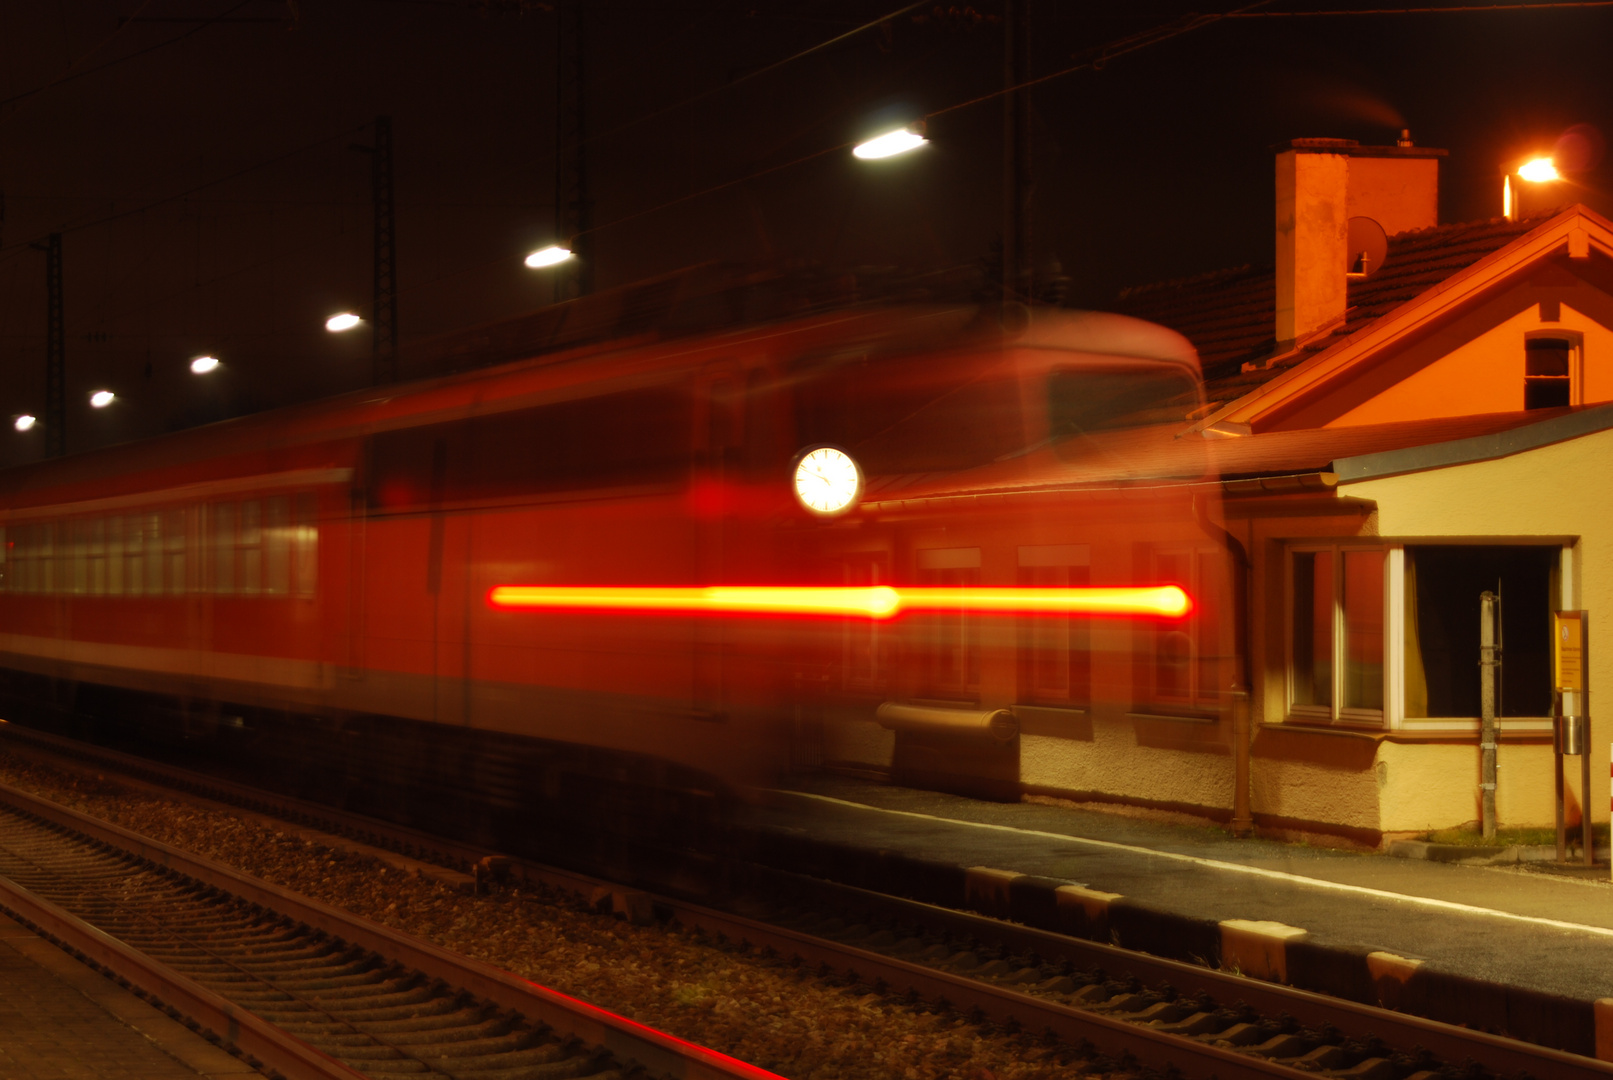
(755,1008)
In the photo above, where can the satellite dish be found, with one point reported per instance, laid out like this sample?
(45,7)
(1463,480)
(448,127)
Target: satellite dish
(1366,249)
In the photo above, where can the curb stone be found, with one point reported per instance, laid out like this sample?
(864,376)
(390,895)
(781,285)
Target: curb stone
(1285,954)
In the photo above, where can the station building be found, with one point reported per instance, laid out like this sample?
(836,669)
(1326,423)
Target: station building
(1401,416)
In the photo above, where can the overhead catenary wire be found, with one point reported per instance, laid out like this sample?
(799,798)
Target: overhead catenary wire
(1464,9)
(72,76)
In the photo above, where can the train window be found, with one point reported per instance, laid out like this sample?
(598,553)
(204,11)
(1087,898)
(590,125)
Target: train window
(79,556)
(1084,400)
(307,543)
(134,547)
(95,556)
(50,575)
(221,535)
(173,545)
(114,556)
(1055,659)
(909,415)
(249,549)
(277,546)
(638,437)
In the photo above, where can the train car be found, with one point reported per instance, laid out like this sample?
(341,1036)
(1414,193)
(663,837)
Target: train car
(321,593)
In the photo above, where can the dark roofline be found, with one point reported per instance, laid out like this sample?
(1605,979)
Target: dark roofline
(1351,148)
(1481,448)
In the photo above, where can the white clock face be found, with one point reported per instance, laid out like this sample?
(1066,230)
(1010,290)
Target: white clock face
(827,481)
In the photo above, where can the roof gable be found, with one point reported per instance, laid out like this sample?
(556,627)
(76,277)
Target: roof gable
(1416,317)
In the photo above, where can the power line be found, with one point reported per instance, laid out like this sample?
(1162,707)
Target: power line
(176,39)
(1466,9)
(166,199)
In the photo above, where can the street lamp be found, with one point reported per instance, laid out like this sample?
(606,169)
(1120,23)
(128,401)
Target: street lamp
(553,255)
(345,321)
(203,364)
(1541,170)
(25,422)
(891,143)
(102,398)
(1537,171)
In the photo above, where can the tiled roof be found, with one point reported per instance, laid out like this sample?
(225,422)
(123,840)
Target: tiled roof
(1230,316)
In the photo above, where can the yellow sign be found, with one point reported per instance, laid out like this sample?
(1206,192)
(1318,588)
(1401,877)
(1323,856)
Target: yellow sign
(1568,649)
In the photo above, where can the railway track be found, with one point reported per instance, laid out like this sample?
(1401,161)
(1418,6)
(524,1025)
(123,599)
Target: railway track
(300,989)
(1130,1011)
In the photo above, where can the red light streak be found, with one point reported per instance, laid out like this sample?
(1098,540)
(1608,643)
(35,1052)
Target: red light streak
(876,602)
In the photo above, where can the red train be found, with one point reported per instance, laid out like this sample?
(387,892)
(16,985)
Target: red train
(309,588)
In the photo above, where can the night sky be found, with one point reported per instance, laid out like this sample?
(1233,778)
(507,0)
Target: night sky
(199,158)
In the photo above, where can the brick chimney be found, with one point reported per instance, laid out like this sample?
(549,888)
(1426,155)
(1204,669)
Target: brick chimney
(1322,184)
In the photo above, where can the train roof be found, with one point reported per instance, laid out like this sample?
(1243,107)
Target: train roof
(311,433)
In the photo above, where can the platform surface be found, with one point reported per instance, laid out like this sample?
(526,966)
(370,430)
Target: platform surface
(1511,926)
(60,1019)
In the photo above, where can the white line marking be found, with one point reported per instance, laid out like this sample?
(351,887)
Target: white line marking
(1237,868)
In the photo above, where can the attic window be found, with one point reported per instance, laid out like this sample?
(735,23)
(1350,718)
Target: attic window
(1547,379)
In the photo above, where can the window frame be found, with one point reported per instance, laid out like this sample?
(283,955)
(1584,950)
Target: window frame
(1576,360)
(1077,631)
(1148,700)
(1391,630)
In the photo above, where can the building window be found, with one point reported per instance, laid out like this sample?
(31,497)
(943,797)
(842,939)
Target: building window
(1336,626)
(949,641)
(1055,651)
(1182,663)
(1443,590)
(862,660)
(1548,373)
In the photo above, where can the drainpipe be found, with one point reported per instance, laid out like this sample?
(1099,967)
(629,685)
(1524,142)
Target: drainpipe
(1488,662)
(1243,823)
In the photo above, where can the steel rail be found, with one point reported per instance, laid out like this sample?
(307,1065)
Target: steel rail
(658,1053)
(1402,1031)
(256,1041)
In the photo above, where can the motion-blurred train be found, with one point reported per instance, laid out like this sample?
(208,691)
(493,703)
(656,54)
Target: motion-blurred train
(314,592)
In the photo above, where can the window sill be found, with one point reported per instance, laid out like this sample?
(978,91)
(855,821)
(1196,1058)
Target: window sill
(1300,726)
(1174,717)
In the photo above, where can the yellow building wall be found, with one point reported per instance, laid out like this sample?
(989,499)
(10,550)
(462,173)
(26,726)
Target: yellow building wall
(1485,375)
(1307,792)
(1113,763)
(1554,493)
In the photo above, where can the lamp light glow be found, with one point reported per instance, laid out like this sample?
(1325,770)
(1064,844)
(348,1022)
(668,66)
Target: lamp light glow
(552,255)
(25,422)
(102,398)
(345,321)
(889,144)
(203,364)
(877,602)
(1540,171)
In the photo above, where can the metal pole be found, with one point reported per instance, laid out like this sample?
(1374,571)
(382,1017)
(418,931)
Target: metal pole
(1017,156)
(573,208)
(55,352)
(1488,662)
(385,315)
